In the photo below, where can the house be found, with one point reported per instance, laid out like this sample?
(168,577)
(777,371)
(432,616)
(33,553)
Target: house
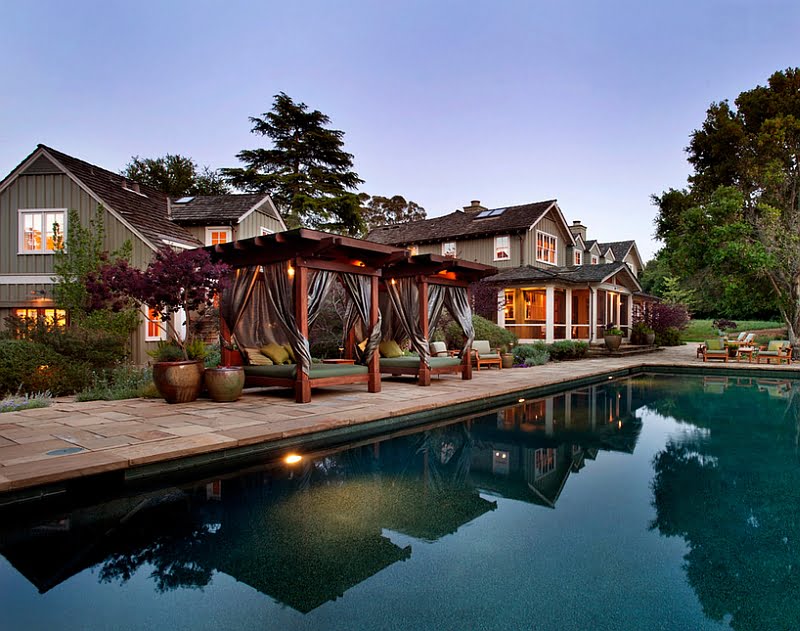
(553,283)
(39,193)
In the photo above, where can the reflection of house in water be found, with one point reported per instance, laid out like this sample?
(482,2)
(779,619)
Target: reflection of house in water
(528,451)
(302,536)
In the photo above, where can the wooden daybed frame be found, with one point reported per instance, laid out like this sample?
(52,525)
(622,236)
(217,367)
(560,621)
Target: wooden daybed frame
(308,249)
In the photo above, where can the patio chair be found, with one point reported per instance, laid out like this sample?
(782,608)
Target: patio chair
(715,349)
(779,350)
(439,349)
(484,355)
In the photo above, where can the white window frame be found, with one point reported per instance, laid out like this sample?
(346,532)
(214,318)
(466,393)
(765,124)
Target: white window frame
(449,248)
(265,231)
(595,260)
(555,247)
(499,248)
(162,332)
(226,229)
(578,257)
(21,212)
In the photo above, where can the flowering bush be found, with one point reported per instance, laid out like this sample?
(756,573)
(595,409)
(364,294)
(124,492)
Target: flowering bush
(661,317)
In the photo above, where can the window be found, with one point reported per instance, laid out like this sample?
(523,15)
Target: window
(578,257)
(546,248)
(51,316)
(155,330)
(413,250)
(502,248)
(508,307)
(594,260)
(544,462)
(265,231)
(215,236)
(449,248)
(41,231)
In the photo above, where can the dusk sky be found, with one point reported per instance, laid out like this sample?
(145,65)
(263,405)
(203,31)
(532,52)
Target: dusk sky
(591,103)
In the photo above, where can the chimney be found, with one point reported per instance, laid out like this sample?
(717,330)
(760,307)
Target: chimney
(577,228)
(169,208)
(474,206)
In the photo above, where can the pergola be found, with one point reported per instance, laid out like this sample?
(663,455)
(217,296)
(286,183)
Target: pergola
(419,287)
(279,284)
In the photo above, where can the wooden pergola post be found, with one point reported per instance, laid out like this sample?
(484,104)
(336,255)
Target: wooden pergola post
(302,386)
(424,369)
(374,382)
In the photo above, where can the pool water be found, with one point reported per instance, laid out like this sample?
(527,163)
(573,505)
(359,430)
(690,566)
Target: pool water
(656,502)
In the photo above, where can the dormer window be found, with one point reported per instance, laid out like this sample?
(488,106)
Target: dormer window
(449,248)
(578,257)
(546,248)
(594,260)
(502,248)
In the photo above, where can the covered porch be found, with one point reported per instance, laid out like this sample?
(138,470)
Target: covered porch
(573,303)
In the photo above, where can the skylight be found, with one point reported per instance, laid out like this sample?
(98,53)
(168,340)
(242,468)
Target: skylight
(184,200)
(495,212)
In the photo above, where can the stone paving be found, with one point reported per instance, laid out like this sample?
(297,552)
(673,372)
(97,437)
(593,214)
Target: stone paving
(70,440)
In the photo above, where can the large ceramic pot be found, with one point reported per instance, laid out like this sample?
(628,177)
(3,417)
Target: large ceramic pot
(224,384)
(612,342)
(178,382)
(507,360)
(650,338)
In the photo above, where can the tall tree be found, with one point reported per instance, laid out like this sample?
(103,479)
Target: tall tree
(381,211)
(306,170)
(176,175)
(737,225)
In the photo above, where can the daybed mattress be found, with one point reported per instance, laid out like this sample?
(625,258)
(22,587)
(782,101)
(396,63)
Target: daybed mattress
(318,371)
(412,361)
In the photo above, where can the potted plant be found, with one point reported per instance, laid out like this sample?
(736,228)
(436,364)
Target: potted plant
(613,338)
(175,283)
(643,334)
(506,356)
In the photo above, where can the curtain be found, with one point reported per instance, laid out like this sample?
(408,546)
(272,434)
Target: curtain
(436,296)
(359,289)
(235,297)
(404,294)
(457,303)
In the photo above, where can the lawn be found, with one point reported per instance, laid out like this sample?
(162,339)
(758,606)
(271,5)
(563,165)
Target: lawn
(699,330)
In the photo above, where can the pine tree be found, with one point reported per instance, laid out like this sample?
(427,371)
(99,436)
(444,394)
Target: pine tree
(306,171)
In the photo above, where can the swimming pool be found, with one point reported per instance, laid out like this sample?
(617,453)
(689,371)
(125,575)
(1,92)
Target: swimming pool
(656,502)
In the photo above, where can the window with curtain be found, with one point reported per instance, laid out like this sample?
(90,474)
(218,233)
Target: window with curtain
(502,248)
(546,248)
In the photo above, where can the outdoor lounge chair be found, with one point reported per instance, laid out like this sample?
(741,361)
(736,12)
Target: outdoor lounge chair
(485,355)
(715,349)
(779,350)
(439,349)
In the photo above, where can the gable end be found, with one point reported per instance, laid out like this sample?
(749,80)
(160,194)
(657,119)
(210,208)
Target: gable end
(42,166)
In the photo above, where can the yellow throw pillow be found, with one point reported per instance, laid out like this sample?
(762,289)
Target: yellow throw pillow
(290,353)
(275,352)
(362,346)
(256,358)
(389,348)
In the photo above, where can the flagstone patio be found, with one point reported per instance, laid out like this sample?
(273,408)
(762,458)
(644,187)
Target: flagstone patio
(71,440)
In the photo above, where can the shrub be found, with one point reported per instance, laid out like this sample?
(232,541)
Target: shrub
(484,330)
(662,316)
(14,403)
(568,349)
(639,333)
(534,354)
(721,324)
(124,382)
(669,337)
(29,367)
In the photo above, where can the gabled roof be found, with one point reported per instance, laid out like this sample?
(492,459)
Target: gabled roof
(592,244)
(574,274)
(206,209)
(460,224)
(144,212)
(619,248)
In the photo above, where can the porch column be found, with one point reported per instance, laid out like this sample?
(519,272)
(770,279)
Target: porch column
(630,314)
(568,308)
(548,416)
(501,311)
(549,295)
(592,314)
(619,306)
(568,409)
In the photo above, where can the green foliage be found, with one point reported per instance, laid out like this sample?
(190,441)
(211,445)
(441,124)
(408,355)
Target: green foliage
(699,330)
(382,211)
(306,170)
(17,402)
(123,382)
(176,175)
(614,331)
(639,333)
(669,337)
(484,330)
(568,349)
(30,367)
(166,351)
(213,356)
(534,354)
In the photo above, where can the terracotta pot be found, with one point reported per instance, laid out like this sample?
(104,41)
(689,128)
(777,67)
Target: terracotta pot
(612,341)
(178,382)
(507,359)
(225,383)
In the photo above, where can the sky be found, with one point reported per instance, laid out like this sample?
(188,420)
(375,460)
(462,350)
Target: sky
(590,103)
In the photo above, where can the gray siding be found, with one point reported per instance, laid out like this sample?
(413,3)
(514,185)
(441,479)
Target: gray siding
(480,250)
(252,224)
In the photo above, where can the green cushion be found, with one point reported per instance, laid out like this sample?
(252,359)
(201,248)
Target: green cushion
(276,353)
(256,357)
(412,361)
(318,371)
(482,346)
(390,348)
(776,345)
(715,345)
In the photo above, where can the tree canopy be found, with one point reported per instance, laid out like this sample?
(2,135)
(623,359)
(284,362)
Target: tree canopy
(734,233)
(306,170)
(381,211)
(176,175)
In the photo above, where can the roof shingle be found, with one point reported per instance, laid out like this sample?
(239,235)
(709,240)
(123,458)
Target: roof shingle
(203,209)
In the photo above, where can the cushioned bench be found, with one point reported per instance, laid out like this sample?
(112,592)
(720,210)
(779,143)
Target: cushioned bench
(285,375)
(410,365)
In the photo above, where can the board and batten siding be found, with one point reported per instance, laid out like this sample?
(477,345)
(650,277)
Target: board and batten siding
(555,228)
(479,250)
(252,224)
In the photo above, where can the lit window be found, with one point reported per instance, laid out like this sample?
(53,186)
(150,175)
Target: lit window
(51,316)
(544,462)
(545,248)
(502,248)
(155,330)
(594,260)
(508,308)
(578,257)
(41,231)
(216,236)
(413,250)
(449,248)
